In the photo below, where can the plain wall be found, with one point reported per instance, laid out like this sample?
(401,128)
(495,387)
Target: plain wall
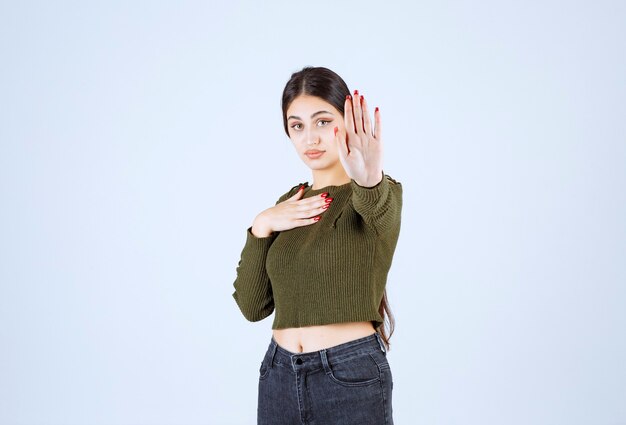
(138,141)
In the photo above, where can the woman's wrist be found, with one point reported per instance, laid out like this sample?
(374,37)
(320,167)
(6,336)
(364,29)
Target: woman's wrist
(260,228)
(368,185)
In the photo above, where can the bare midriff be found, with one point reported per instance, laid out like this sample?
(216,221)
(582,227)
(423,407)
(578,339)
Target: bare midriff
(314,338)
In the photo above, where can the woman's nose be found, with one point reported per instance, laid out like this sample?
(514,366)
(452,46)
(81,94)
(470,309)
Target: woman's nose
(312,138)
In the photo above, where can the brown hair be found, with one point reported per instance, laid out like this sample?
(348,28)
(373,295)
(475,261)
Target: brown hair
(329,86)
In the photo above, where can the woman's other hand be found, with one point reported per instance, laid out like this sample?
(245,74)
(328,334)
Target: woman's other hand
(292,212)
(360,147)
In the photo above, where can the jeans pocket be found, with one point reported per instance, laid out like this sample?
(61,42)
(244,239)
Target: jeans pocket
(357,371)
(380,357)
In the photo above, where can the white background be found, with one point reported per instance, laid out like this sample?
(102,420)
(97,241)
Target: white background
(139,141)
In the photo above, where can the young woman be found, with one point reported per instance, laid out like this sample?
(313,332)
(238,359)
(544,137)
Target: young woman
(319,259)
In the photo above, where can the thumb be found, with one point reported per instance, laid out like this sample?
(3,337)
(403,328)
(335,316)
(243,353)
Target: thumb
(298,194)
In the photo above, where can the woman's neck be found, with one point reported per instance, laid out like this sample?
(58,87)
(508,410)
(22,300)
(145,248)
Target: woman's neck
(323,178)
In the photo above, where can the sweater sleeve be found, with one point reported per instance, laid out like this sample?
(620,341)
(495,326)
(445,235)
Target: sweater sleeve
(379,205)
(253,289)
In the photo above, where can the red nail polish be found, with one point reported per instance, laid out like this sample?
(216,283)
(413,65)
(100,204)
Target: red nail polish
(347,96)
(325,194)
(362,99)
(329,200)
(376,109)
(325,207)
(317,218)
(356,92)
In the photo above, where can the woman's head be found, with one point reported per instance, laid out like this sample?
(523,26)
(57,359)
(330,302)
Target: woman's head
(313,104)
(314,81)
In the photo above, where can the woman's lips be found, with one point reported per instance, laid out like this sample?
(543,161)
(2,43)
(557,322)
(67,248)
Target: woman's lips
(315,154)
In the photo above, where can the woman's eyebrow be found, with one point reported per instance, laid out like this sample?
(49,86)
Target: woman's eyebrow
(317,113)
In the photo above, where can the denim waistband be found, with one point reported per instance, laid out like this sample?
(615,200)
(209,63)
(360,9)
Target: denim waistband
(317,359)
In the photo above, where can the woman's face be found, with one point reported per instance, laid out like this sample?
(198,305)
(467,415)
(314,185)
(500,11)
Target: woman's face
(311,121)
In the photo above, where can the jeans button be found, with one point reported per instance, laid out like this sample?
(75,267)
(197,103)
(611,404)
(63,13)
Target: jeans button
(298,360)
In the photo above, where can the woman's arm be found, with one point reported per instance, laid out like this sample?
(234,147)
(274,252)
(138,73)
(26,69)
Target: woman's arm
(378,200)
(379,205)
(253,289)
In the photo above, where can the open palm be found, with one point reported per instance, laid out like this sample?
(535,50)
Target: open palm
(360,147)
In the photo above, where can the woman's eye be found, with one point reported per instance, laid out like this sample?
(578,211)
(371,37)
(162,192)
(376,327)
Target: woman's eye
(295,126)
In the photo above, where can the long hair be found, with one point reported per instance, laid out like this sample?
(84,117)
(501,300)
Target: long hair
(326,84)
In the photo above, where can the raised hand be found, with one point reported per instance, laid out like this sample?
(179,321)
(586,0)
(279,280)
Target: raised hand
(360,146)
(292,212)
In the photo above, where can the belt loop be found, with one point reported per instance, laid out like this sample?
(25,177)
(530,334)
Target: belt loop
(380,342)
(325,361)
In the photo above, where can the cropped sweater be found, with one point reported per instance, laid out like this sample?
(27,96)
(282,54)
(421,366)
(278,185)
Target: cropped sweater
(334,270)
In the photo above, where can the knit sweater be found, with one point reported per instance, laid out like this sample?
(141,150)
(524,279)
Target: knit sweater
(334,270)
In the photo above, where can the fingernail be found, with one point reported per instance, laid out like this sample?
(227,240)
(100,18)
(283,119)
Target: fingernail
(329,200)
(347,96)
(356,92)
(317,218)
(376,109)
(325,194)
(300,188)
(326,206)
(362,99)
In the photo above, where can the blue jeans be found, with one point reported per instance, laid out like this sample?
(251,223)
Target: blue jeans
(349,383)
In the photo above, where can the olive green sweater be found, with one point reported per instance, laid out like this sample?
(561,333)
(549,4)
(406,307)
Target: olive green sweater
(334,270)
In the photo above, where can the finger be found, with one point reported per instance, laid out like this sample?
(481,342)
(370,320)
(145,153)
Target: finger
(311,202)
(367,124)
(319,211)
(301,222)
(298,194)
(341,143)
(306,211)
(312,220)
(349,115)
(358,116)
(377,130)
